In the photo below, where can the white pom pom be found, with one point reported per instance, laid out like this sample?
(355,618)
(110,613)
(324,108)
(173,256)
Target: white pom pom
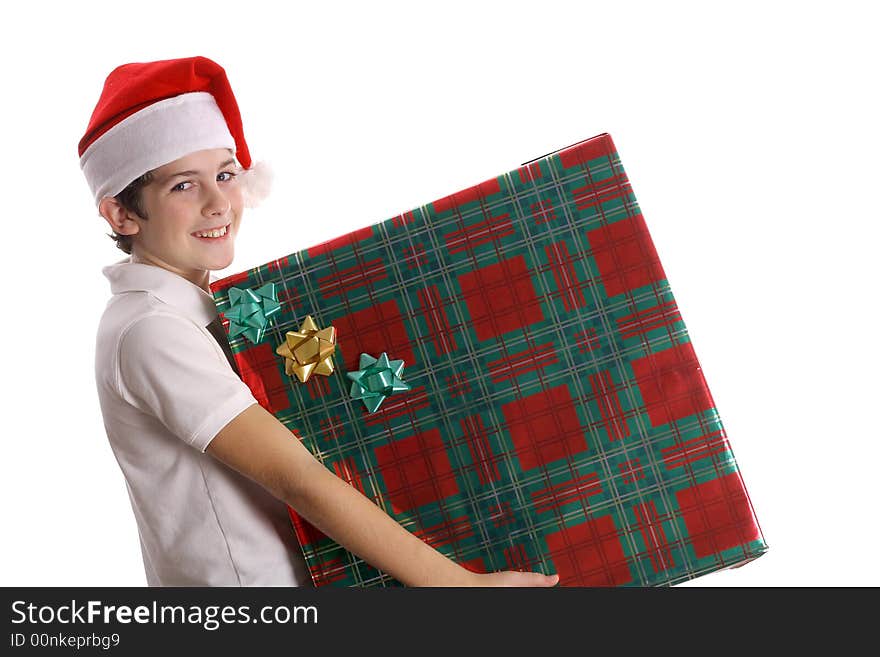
(257,183)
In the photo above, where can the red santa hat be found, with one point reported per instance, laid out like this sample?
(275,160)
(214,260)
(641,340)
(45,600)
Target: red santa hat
(153,113)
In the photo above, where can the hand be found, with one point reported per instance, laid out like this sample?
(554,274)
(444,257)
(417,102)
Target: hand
(514,578)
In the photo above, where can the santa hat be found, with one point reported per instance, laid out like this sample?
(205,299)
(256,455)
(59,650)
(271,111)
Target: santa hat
(153,113)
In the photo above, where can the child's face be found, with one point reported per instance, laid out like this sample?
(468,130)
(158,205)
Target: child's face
(207,197)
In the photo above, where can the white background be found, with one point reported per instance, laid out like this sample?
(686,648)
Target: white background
(749,135)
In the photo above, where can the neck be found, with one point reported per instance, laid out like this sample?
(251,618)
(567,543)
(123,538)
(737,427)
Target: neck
(199,277)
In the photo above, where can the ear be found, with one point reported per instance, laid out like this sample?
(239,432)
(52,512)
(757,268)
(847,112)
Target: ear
(122,221)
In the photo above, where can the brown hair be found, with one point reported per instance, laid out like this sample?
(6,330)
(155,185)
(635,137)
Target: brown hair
(132,200)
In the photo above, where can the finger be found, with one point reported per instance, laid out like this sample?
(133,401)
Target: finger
(539,579)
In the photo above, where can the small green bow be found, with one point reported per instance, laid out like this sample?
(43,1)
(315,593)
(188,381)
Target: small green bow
(250,311)
(376,379)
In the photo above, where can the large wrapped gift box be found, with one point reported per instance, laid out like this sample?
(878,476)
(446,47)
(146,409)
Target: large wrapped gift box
(506,373)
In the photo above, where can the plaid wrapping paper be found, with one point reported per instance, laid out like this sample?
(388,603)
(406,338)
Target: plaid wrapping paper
(558,419)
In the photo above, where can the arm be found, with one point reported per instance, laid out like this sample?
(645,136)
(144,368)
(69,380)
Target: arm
(261,448)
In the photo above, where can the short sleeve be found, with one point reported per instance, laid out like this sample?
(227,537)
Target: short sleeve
(171,368)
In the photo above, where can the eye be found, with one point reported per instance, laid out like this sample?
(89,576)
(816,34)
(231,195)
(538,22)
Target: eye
(231,175)
(179,186)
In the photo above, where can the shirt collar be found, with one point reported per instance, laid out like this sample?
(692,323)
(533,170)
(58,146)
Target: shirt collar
(171,288)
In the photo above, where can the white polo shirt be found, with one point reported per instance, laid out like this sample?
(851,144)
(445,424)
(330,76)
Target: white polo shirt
(166,389)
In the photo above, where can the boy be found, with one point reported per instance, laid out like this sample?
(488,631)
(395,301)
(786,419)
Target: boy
(208,470)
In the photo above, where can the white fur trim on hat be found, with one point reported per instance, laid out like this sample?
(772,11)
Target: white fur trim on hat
(156,135)
(257,183)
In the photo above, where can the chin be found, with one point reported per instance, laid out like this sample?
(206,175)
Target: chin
(220,262)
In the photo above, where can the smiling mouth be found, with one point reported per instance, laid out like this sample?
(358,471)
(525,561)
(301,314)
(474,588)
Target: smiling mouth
(213,233)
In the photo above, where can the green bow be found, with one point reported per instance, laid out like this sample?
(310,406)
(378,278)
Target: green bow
(376,379)
(250,311)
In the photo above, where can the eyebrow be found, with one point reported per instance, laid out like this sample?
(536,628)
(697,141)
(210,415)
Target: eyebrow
(195,173)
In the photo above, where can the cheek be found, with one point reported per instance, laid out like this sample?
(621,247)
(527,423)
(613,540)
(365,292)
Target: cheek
(236,198)
(178,225)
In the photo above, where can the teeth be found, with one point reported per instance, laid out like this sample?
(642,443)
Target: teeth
(219,232)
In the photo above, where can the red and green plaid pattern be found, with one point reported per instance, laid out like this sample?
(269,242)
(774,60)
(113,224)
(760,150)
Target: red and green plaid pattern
(558,418)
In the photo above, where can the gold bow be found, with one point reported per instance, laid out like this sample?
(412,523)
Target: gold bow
(309,350)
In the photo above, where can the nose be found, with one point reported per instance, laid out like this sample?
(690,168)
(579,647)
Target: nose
(215,202)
